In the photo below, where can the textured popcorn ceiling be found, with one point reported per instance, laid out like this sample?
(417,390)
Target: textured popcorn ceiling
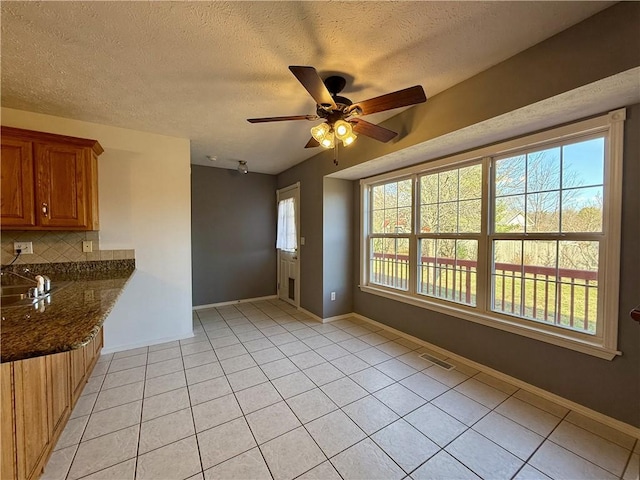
(199,69)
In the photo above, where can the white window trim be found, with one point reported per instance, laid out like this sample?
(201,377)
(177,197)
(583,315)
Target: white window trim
(604,344)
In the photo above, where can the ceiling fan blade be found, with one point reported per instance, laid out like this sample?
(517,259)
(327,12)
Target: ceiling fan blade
(401,98)
(282,119)
(371,130)
(311,81)
(312,143)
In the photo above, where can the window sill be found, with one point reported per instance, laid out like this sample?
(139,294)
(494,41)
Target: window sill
(531,331)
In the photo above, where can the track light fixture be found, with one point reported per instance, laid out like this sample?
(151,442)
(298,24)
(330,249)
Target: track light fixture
(242,167)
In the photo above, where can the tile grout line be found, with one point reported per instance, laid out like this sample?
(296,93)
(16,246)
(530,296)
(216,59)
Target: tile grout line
(144,386)
(86,424)
(193,420)
(244,417)
(242,320)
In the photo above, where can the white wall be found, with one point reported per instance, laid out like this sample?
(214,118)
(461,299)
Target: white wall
(145,204)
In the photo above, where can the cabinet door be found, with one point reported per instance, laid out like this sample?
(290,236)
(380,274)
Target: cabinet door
(90,353)
(7,424)
(99,341)
(62,185)
(32,416)
(77,373)
(17,188)
(59,403)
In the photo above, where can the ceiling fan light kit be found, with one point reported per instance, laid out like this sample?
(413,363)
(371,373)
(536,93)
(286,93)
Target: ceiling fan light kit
(341,115)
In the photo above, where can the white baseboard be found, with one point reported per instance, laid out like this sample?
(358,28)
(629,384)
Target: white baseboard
(122,348)
(571,405)
(325,320)
(234,302)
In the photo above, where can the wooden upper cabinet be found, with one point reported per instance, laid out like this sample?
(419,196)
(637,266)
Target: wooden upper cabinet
(17,187)
(49,182)
(61,178)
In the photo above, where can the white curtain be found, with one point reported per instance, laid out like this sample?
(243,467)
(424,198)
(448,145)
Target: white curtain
(287,236)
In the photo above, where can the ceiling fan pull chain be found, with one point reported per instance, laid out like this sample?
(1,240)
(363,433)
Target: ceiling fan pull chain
(335,154)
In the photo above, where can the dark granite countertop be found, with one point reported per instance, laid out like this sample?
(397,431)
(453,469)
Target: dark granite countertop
(70,320)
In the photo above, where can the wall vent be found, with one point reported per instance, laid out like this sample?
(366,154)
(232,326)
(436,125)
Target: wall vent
(437,361)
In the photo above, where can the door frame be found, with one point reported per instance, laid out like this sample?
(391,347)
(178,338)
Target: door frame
(286,193)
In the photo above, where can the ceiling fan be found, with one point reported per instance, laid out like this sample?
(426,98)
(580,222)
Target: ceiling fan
(341,115)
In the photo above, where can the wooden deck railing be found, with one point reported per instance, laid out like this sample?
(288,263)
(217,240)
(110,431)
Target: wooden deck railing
(446,278)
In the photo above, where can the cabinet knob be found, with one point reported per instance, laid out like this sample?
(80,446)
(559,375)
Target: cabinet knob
(45,209)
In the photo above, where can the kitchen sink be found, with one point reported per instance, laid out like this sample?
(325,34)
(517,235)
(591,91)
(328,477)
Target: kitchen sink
(18,295)
(10,290)
(12,299)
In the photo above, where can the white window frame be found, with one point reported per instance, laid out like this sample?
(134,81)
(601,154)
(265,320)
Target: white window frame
(604,343)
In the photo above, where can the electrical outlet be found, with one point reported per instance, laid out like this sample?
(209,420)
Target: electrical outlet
(25,248)
(333,296)
(87,246)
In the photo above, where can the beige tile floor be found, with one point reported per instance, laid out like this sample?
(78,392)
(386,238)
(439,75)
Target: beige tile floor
(262,391)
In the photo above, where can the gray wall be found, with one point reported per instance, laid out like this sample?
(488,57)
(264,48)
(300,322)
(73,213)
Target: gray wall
(309,174)
(233,235)
(592,50)
(610,387)
(338,246)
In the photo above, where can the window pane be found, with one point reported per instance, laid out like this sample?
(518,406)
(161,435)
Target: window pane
(448,186)
(404,220)
(458,201)
(578,276)
(543,170)
(510,175)
(471,182)
(543,212)
(391,207)
(389,262)
(405,193)
(549,281)
(377,195)
(447,269)
(391,195)
(377,224)
(509,214)
(583,163)
(429,218)
(469,216)
(447,217)
(582,210)
(429,189)
(507,276)
(539,268)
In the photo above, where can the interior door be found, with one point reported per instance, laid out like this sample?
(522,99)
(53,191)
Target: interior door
(288,256)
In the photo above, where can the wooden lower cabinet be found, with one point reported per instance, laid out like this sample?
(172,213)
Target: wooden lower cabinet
(37,397)
(7,423)
(31,415)
(58,371)
(77,370)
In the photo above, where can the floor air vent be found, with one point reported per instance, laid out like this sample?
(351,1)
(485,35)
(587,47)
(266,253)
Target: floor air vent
(437,361)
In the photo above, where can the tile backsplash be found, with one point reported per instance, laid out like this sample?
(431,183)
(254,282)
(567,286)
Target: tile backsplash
(56,247)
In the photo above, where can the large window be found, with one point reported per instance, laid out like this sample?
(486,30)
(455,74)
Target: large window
(523,235)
